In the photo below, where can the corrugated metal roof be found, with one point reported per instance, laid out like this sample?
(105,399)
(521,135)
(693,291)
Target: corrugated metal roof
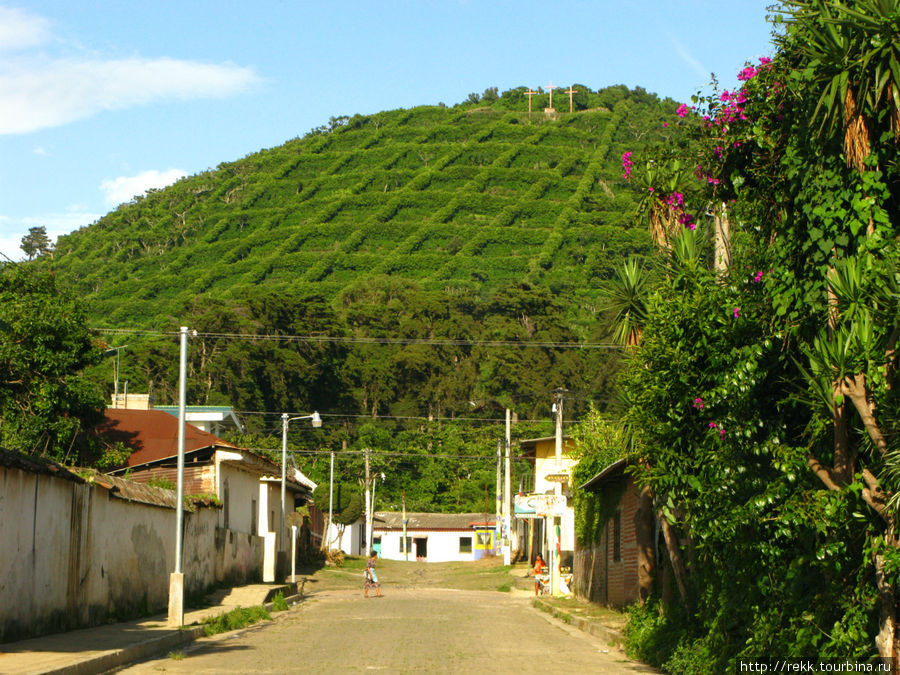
(153,434)
(430,521)
(614,470)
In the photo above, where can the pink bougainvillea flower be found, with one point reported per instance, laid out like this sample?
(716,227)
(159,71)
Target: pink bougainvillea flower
(675,200)
(736,312)
(747,73)
(764,60)
(683,110)
(627,164)
(665,124)
(758,277)
(712,425)
(698,403)
(721,434)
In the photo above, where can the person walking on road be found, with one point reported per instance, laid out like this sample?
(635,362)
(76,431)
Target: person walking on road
(371,577)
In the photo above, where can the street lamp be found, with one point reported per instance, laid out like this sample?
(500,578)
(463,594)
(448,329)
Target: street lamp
(316,422)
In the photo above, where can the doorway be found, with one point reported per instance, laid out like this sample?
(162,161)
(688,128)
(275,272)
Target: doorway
(421,547)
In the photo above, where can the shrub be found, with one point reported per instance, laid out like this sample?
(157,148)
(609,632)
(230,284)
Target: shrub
(236,618)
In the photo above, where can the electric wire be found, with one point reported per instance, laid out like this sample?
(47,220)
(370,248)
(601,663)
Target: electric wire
(438,342)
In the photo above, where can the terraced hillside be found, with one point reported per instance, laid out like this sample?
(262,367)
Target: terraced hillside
(469,197)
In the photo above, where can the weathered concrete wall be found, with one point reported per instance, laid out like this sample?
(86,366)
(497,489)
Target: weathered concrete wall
(73,555)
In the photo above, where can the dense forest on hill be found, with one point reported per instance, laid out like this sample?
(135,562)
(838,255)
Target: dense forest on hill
(465,198)
(402,246)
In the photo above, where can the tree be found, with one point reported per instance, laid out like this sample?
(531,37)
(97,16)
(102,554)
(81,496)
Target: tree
(45,403)
(36,242)
(764,395)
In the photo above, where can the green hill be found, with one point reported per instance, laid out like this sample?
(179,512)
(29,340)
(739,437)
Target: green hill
(469,198)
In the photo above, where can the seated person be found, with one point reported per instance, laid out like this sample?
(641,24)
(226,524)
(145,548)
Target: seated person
(539,568)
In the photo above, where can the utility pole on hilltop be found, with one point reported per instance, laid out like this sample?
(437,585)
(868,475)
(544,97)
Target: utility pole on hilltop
(529,94)
(571,91)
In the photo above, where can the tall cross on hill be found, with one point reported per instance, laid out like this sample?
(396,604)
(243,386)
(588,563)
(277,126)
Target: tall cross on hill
(529,94)
(571,91)
(551,95)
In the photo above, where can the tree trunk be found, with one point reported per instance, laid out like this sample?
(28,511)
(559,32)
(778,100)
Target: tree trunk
(886,640)
(678,569)
(722,229)
(644,534)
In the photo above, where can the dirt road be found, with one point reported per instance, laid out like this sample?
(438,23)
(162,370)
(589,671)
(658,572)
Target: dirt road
(409,630)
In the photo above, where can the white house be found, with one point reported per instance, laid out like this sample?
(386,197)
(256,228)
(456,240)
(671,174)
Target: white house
(434,537)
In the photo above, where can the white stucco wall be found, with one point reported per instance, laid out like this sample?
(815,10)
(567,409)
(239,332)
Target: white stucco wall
(73,555)
(350,540)
(243,490)
(443,545)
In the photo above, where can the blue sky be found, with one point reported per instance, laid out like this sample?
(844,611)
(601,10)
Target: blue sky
(101,100)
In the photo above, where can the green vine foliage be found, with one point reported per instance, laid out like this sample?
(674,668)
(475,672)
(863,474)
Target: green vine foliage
(733,389)
(599,443)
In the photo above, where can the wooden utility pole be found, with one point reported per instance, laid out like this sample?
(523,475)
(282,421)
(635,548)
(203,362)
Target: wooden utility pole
(571,92)
(529,94)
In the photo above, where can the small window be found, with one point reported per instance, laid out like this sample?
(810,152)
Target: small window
(617,536)
(465,544)
(408,548)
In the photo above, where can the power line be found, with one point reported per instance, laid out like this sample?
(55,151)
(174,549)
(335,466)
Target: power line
(421,418)
(375,453)
(368,340)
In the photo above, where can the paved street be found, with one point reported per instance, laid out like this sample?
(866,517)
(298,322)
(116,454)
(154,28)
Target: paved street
(409,630)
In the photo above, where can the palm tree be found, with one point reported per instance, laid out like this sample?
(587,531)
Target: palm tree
(626,296)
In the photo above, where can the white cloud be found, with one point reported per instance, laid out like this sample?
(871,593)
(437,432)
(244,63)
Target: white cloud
(125,188)
(20,29)
(40,93)
(12,231)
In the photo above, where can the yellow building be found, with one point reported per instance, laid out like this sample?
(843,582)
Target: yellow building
(551,500)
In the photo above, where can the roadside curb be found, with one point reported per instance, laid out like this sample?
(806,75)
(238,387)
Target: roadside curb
(594,628)
(132,654)
(152,647)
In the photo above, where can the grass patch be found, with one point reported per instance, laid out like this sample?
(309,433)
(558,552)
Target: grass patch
(568,608)
(279,604)
(236,618)
(176,656)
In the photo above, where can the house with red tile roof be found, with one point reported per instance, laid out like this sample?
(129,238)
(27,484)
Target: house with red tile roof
(247,484)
